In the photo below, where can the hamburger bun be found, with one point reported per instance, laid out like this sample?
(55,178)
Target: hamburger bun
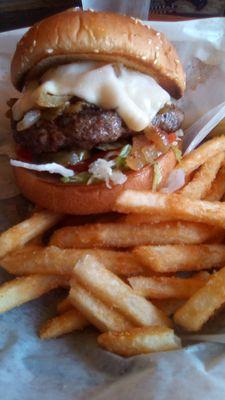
(49,193)
(85,35)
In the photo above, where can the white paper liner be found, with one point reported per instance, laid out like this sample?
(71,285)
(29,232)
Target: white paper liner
(67,368)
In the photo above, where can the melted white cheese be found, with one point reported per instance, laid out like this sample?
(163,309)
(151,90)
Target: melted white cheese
(135,96)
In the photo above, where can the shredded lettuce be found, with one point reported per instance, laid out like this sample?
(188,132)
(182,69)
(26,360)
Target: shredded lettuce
(121,159)
(157,176)
(177,153)
(81,178)
(110,146)
(64,157)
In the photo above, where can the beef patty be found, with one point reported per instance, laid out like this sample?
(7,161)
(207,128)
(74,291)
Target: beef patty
(87,128)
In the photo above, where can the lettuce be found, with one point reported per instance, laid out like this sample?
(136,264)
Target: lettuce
(121,158)
(81,178)
(177,153)
(157,177)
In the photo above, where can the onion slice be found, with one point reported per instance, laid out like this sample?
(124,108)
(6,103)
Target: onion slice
(52,168)
(176,181)
(29,119)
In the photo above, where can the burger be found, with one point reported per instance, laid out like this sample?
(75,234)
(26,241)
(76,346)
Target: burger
(96,114)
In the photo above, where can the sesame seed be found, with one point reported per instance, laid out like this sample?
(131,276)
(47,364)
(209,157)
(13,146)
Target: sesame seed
(134,19)
(49,51)
(96,51)
(144,57)
(158,34)
(142,23)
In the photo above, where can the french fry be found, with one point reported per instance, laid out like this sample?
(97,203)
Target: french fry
(174,205)
(67,322)
(113,291)
(21,290)
(29,247)
(37,241)
(168,306)
(99,314)
(20,234)
(53,260)
(139,341)
(173,258)
(167,287)
(64,305)
(218,130)
(138,219)
(217,189)
(199,156)
(198,187)
(130,235)
(203,304)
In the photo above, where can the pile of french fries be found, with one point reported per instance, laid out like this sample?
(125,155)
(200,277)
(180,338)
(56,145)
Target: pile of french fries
(160,265)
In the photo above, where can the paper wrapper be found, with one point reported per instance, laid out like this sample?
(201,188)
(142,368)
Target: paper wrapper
(74,367)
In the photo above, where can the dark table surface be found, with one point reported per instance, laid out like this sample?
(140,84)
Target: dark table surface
(20,13)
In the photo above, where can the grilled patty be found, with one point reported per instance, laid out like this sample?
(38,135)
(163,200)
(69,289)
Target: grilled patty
(87,128)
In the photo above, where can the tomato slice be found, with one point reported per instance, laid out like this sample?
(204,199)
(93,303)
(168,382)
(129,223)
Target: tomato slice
(83,165)
(80,167)
(24,154)
(172,137)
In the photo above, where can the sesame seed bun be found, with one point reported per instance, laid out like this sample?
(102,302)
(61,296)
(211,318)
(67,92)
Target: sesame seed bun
(86,35)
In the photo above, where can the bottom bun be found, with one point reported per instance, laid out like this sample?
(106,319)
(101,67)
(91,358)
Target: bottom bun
(74,199)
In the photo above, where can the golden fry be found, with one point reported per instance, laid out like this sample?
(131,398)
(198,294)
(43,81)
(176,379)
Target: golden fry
(24,289)
(203,304)
(27,230)
(102,316)
(113,291)
(218,130)
(130,235)
(173,258)
(64,305)
(174,205)
(163,287)
(198,187)
(139,341)
(53,260)
(199,156)
(168,306)
(67,322)
(217,189)
(138,219)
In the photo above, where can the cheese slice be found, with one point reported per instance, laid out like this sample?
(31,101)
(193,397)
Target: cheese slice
(135,96)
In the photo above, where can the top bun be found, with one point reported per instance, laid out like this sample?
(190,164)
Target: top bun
(86,35)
